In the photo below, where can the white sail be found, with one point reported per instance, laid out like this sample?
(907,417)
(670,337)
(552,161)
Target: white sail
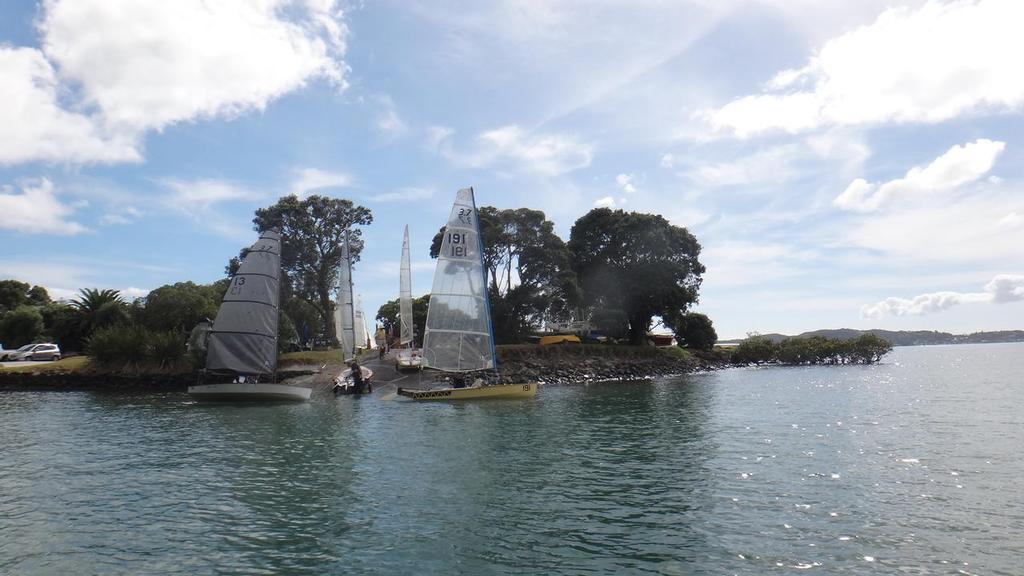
(244,335)
(405,294)
(458,335)
(364,339)
(345,306)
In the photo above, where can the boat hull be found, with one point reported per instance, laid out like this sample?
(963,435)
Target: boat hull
(527,390)
(237,391)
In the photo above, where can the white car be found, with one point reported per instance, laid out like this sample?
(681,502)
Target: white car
(33,352)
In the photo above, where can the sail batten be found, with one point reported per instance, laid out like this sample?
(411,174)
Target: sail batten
(458,335)
(243,339)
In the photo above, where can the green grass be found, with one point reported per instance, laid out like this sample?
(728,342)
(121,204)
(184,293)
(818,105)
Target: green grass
(318,357)
(67,365)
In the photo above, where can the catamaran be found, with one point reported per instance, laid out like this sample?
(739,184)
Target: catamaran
(242,345)
(459,338)
(345,322)
(407,358)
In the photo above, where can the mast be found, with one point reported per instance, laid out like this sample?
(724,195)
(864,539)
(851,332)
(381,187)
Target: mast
(405,294)
(346,309)
(487,296)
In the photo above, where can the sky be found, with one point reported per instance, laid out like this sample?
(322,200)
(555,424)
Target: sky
(843,164)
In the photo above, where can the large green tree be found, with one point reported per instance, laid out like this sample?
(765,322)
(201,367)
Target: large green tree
(21,326)
(180,306)
(529,270)
(312,230)
(388,313)
(639,263)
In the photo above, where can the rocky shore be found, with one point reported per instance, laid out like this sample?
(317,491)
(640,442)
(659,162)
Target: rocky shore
(528,363)
(576,364)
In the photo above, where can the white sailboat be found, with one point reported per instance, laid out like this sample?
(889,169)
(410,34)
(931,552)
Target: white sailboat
(242,345)
(345,322)
(459,337)
(407,358)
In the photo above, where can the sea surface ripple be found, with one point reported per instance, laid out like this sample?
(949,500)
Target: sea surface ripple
(911,466)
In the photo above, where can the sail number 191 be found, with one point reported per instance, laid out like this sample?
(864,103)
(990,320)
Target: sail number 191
(457,244)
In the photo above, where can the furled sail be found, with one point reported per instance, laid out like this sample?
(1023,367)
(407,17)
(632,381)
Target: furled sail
(405,294)
(458,334)
(244,335)
(345,323)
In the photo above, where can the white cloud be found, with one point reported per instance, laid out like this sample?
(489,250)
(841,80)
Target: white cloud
(389,123)
(958,166)
(547,154)
(131,292)
(667,160)
(198,199)
(403,194)
(928,65)
(625,182)
(34,126)
(193,196)
(125,215)
(110,70)
(1011,220)
(769,165)
(606,202)
(310,180)
(1001,289)
(145,65)
(37,210)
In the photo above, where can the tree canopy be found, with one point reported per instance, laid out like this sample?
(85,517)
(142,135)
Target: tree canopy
(388,313)
(312,229)
(694,331)
(14,293)
(639,263)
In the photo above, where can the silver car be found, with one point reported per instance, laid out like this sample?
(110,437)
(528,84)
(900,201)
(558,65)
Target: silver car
(34,352)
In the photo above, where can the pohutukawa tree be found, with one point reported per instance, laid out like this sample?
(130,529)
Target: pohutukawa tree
(638,263)
(312,229)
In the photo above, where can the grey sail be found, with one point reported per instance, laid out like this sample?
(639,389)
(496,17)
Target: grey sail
(244,335)
(346,306)
(458,335)
(405,294)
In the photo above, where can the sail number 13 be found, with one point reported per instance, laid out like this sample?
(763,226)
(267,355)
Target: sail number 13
(457,244)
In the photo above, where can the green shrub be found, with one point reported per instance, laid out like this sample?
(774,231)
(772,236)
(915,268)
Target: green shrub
(128,346)
(167,348)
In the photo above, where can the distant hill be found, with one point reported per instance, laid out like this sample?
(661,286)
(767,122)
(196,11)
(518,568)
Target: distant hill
(907,337)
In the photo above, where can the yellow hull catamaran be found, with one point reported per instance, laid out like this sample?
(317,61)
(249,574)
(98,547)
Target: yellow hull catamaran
(459,338)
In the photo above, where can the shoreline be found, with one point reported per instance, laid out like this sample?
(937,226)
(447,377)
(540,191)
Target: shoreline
(550,366)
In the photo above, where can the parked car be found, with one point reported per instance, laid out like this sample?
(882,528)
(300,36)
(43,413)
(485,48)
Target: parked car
(33,352)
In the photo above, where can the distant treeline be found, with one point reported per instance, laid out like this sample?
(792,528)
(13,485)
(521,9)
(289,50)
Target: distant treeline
(864,349)
(907,337)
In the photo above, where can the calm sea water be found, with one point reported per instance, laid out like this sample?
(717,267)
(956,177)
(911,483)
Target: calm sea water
(913,466)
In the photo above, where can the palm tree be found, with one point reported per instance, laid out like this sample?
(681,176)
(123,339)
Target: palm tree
(99,308)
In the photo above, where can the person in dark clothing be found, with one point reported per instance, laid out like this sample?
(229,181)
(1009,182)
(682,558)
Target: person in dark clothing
(357,378)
